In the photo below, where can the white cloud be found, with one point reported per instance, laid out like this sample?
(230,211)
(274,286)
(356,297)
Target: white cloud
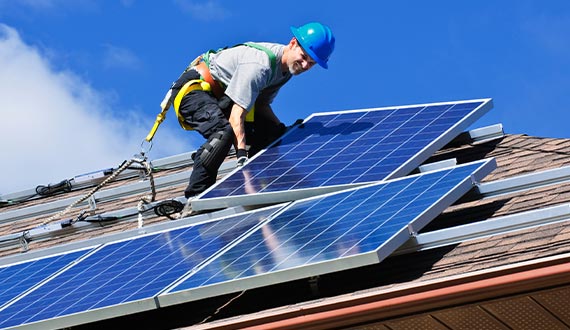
(56,126)
(127,3)
(118,57)
(205,10)
(43,5)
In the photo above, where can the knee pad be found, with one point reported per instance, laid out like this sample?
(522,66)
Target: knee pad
(216,149)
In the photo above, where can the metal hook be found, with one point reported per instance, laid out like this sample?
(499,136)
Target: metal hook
(143,145)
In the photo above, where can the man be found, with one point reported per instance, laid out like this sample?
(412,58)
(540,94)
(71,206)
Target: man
(217,91)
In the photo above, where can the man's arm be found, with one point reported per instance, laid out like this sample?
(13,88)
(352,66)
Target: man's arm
(237,119)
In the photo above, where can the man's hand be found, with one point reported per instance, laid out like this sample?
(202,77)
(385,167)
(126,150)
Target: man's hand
(241,157)
(298,122)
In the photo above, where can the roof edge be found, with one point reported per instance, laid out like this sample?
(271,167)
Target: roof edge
(372,306)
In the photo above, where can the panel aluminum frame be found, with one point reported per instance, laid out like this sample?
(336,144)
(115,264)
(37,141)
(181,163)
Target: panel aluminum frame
(202,202)
(71,288)
(172,297)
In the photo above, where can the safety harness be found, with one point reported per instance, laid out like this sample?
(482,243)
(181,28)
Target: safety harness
(206,83)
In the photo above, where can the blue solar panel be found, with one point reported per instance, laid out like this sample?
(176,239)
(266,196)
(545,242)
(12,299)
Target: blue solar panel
(18,278)
(354,228)
(345,148)
(128,271)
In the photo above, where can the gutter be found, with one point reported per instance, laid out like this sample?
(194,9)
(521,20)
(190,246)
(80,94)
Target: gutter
(354,309)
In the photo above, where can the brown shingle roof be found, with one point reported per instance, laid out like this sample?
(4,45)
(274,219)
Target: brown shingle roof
(515,155)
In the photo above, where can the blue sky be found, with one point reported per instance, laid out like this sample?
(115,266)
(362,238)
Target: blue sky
(81,80)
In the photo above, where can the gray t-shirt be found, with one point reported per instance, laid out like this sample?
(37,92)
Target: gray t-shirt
(246,71)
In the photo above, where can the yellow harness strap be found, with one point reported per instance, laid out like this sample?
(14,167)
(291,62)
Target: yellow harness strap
(192,85)
(250,114)
(196,84)
(164,105)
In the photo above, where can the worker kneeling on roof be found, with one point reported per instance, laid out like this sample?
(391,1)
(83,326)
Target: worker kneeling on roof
(221,88)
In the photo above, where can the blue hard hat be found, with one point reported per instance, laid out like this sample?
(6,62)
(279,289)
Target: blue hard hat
(316,40)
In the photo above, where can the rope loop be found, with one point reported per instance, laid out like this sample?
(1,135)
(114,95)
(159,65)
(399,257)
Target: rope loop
(141,160)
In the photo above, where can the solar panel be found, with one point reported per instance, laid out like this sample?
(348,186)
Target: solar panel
(329,233)
(333,151)
(18,278)
(123,277)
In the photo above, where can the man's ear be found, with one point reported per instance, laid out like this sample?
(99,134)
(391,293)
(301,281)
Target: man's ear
(293,42)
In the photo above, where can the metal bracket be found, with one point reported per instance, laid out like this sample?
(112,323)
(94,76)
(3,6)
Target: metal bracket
(314,285)
(474,182)
(92,203)
(24,244)
(412,231)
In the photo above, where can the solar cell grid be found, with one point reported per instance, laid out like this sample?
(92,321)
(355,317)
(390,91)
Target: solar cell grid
(129,271)
(346,148)
(328,150)
(352,223)
(18,278)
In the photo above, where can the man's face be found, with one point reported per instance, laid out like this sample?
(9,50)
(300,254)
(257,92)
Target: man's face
(299,61)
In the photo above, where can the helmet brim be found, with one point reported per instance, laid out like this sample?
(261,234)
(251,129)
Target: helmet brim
(307,49)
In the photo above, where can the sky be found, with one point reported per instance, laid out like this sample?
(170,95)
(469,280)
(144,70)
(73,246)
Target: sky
(81,81)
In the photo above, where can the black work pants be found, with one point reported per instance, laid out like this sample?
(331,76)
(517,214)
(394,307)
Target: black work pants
(201,111)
